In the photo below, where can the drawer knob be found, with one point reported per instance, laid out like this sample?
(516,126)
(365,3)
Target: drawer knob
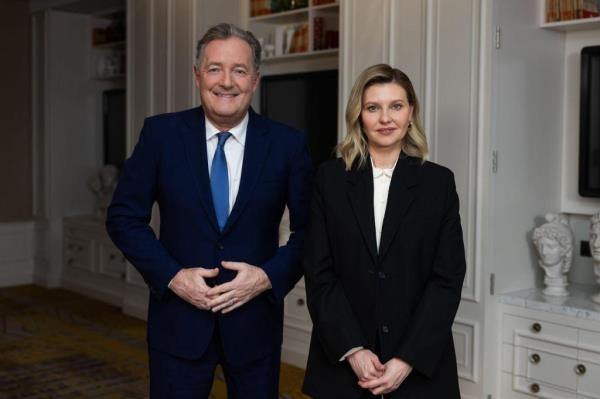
(580,369)
(112,257)
(536,327)
(300,302)
(70,261)
(535,388)
(535,358)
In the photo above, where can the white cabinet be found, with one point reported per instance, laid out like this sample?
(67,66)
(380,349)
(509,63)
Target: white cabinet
(297,327)
(548,354)
(93,266)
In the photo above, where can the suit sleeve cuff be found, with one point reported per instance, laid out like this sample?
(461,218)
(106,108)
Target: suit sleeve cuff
(350,352)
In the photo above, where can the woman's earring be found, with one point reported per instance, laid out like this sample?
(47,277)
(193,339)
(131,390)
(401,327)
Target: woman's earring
(409,126)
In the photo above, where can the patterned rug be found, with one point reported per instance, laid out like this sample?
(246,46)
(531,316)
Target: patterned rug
(55,344)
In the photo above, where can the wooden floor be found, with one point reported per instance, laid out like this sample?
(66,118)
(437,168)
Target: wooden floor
(57,344)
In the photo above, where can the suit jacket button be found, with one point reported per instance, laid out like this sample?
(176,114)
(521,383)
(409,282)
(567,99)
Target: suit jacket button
(220,246)
(385,329)
(381,275)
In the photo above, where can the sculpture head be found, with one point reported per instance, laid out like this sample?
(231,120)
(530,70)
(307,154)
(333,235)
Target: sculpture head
(595,236)
(554,242)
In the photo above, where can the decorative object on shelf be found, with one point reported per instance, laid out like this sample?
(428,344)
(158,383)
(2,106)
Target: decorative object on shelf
(103,185)
(554,243)
(595,249)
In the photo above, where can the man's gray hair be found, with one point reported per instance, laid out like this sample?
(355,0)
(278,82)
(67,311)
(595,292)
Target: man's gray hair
(224,31)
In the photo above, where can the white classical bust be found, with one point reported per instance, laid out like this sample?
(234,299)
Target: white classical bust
(595,249)
(103,185)
(554,243)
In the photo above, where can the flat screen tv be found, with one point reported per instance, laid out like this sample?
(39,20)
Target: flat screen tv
(306,101)
(114,121)
(589,123)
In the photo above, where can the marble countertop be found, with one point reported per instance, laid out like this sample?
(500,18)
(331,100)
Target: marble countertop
(577,304)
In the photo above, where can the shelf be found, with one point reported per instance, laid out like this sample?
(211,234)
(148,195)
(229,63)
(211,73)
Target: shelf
(280,17)
(317,53)
(325,7)
(573,25)
(120,43)
(115,77)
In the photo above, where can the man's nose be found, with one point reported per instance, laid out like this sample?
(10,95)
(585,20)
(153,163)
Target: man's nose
(226,79)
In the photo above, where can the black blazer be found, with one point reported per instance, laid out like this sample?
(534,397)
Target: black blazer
(399,301)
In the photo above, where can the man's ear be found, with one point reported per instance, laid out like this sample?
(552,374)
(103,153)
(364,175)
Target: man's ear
(196,73)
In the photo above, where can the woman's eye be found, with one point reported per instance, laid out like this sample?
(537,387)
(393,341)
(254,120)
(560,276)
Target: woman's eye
(371,108)
(397,107)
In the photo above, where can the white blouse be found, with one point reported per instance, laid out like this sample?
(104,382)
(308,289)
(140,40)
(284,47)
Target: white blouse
(381,187)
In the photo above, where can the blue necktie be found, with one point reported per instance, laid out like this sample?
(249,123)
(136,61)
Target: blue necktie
(219,181)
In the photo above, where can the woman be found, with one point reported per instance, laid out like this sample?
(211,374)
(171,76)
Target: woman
(384,256)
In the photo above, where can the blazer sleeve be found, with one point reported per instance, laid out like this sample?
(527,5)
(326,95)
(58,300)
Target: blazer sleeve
(284,269)
(130,211)
(430,327)
(333,319)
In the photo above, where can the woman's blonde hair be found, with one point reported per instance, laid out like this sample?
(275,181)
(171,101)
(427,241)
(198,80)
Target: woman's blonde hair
(354,146)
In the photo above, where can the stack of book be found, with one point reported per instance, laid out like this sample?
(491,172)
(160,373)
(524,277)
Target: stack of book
(566,10)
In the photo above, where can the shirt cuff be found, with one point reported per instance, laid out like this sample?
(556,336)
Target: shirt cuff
(350,352)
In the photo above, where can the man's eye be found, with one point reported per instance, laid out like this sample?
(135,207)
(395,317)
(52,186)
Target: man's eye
(240,72)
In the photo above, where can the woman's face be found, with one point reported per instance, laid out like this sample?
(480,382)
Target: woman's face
(550,251)
(385,115)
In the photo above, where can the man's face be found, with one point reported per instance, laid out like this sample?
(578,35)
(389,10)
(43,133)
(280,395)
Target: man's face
(226,80)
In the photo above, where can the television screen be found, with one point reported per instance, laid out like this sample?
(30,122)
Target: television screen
(306,101)
(114,127)
(589,123)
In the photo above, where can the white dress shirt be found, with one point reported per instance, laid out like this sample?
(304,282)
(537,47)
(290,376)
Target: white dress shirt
(234,153)
(381,187)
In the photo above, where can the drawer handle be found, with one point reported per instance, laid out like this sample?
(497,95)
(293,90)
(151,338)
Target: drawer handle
(535,358)
(536,327)
(300,302)
(535,388)
(580,369)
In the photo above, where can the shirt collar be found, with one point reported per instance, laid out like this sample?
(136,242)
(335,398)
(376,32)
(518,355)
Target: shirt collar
(238,132)
(378,172)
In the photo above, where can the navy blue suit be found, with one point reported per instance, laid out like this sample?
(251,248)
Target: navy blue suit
(169,165)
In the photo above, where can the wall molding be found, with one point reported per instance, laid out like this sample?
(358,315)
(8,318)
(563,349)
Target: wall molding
(466,334)
(17,253)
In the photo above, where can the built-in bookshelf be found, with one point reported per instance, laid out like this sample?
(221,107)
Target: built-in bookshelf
(108,55)
(291,29)
(570,15)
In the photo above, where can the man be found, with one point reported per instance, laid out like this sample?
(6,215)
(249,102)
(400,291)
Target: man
(222,176)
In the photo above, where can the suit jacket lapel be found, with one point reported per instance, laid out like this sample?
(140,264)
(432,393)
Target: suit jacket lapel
(360,194)
(400,197)
(256,150)
(194,138)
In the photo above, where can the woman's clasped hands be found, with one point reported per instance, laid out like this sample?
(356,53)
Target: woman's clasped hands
(377,377)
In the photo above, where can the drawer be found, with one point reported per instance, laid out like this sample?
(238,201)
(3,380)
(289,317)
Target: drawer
(546,367)
(111,261)
(539,389)
(588,380)
(514,326)
(589,340)
(296,311)
(78,253)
